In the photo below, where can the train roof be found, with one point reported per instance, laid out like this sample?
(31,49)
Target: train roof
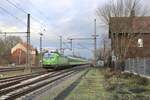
(78,58)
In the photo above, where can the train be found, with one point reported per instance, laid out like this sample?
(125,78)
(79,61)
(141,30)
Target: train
(55,60)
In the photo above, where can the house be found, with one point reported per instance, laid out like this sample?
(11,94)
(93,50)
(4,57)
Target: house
(19,53)
(132,32)
(130,41)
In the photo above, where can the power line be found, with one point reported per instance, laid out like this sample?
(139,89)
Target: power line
(84,47)
(65,43)
(41,13)
(25,12)
(38,10)
(80,38)
(35,19)
(17,7)
(12,15)
(22,10)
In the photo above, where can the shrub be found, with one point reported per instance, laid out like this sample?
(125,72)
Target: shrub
(111,73)
(110,86)
(126,75)
(142,81)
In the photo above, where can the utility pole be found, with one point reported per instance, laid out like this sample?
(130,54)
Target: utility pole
(94,38)
(70,44)
(104,46)
(28,43)
(5,36)
(71,41)
(41,57)
(61,45)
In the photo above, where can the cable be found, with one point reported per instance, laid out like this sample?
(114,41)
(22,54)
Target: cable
(84,47)
(38,10)
(41,13)
(17,7)
(22,10)
(66,44)
(12,15)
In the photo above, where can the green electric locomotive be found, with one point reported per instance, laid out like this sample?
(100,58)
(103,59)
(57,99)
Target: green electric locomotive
(56,60)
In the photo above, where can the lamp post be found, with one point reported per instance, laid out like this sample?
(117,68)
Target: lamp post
(41,56)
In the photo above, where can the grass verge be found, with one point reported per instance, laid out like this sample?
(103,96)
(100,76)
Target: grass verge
(104,84)
(90,87)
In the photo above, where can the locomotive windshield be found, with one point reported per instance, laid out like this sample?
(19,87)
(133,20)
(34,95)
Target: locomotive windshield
(48,55)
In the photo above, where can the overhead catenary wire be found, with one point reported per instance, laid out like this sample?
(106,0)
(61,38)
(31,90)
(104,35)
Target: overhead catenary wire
(38,10)
(17,7)
(41,13)
(84,47)
(35,19)
(6,11)
(25,12)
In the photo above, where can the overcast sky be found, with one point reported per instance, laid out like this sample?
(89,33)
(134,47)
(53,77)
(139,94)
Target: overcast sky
(69,18)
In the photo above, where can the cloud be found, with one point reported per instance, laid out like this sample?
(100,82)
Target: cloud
(69,18)
(57,6)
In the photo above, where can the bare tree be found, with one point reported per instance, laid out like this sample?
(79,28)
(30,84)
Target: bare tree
(121,8)
(6,45)
(124,36)
(11,41)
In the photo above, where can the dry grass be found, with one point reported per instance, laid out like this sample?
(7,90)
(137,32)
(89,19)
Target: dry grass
(126,86)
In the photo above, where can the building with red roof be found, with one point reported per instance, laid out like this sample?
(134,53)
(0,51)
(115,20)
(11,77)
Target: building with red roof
(19,53)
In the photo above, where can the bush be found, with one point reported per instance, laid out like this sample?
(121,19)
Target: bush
(142,81)
(116,96)
(3,62)
(109,86)
(111,73)
(126,75)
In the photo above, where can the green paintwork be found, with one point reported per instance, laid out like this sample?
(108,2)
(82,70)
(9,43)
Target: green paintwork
(51,61)
(58,60)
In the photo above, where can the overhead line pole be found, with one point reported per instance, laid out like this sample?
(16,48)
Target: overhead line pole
(70,43)
(61,49)
(95,42)
(28,43)
(41,55)
(71,39)
(94,39)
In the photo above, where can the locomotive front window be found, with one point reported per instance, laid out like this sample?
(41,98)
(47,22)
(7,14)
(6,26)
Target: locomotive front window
(48,56)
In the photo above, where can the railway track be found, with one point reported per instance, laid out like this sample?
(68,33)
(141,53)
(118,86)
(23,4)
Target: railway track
(11,69)
(19,76)
(24,85)
(16,79)
(17,68)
